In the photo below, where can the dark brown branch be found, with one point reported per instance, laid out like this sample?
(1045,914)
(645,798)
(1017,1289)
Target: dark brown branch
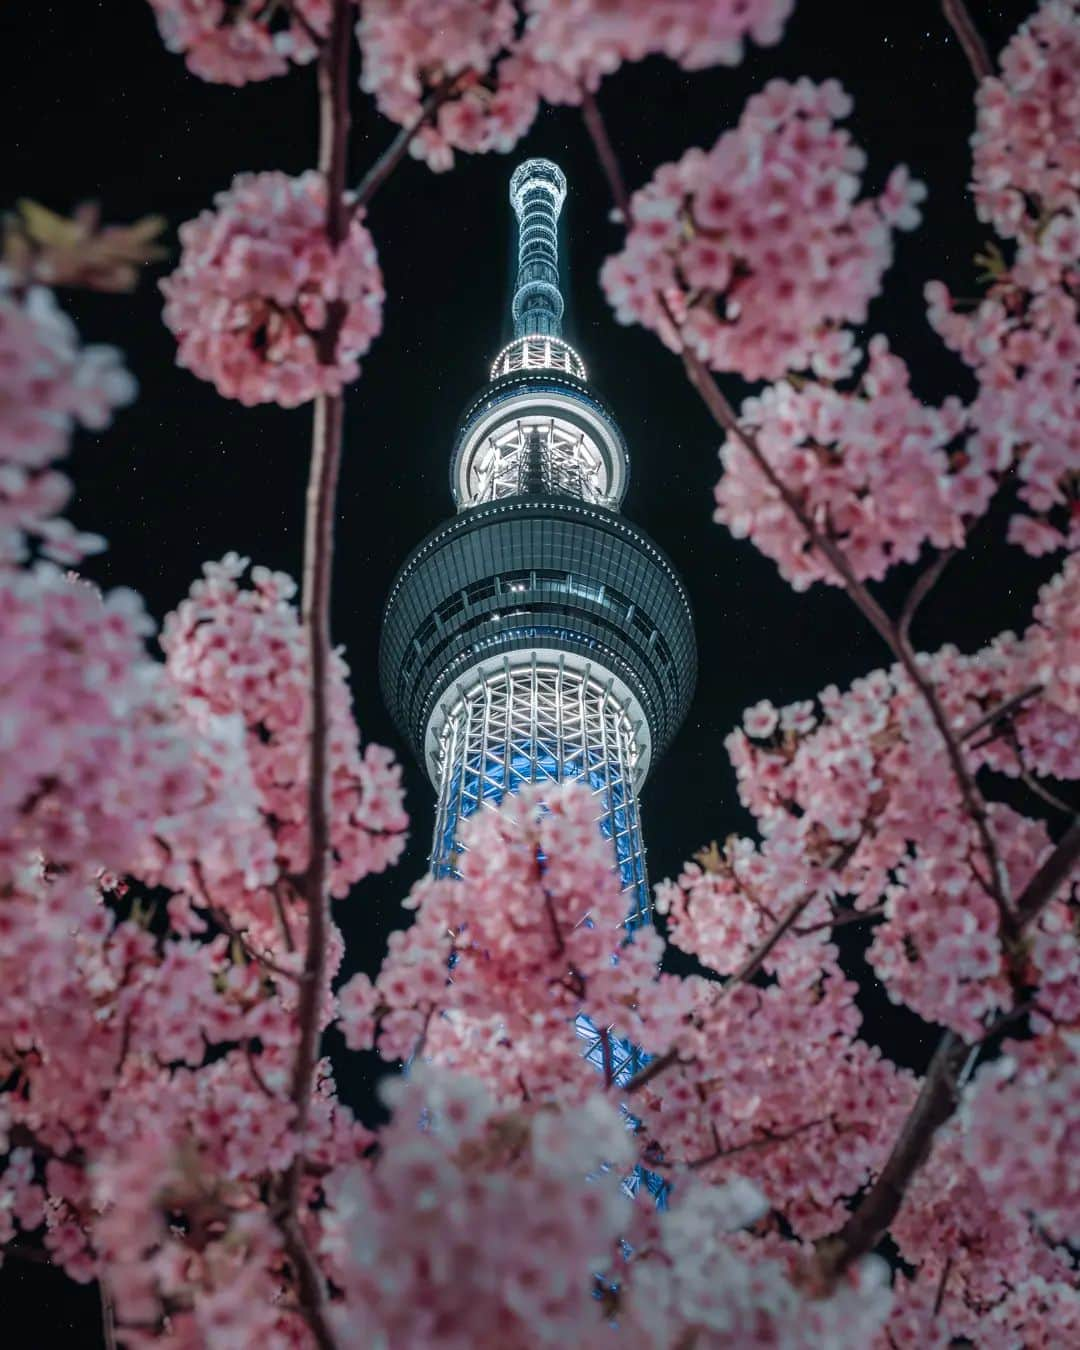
(1055,871)
(897,642)
(766,1140)
(844,919)
(653,1069)
(605,1047)
(395,152)
(609,162)
(939,1297)
(256,1072)
(724,415)
(1006,709)
(760,954)
(938,1097)
(108,1315)
(935,1104)
(924,584)
(956,12)
(315,617)
(237,934)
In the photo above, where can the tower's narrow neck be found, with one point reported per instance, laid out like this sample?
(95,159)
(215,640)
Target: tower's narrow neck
(537,192)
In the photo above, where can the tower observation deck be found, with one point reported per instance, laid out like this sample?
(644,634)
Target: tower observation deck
(538,636)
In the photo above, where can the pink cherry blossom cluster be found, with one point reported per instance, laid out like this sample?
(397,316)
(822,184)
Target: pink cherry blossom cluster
(1023,339)
(49,384)
(259,286)
(866,789)
(1027,137)
(484,1218)
(872,469)
(1031,1093)
(753,253)
(1055,640)
(747,1100)
(412,47)
(492,974)
(238,652)
(575,43)
(99,760)
(492,61)
(992,1270)
(233,43)
(702,1280)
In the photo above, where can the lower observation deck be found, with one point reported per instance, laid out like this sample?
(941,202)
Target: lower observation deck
(523,575)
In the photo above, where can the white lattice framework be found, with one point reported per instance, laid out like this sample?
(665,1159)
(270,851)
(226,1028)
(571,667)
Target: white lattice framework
(573,464)
(538,353)
(541,723)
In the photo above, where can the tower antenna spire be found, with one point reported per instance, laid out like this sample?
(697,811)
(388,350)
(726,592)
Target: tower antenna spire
(537,193)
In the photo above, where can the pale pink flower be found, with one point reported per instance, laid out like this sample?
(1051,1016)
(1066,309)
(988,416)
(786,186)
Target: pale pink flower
(257,283)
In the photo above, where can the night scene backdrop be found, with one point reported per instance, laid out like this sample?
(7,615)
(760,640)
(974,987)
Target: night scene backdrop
(96,108)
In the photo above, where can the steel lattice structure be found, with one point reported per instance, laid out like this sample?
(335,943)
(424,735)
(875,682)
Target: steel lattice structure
(538,636)
(541,722)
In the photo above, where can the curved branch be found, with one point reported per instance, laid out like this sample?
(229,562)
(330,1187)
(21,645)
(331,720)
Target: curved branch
(938,1097)
(956,11)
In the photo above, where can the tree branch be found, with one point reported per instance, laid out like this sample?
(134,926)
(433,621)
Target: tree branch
(956,12)
(1005,709)
(395,152)
(766,1140)
(938,1097)
(895,639)
(924,584)
(315,618)
(609,162)
(1054,872)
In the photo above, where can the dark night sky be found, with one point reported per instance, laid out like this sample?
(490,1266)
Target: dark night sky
(96,108)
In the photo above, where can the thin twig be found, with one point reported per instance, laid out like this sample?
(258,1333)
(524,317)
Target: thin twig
(315,617)
(605,1050)
(237,934)
(968,36)
(108,1315)
(395,152)
(653,1069)
(896,641)
(1054,872)
(256,1072)
(1031,782)
(939,1297)
(609,162)
(938,1097)
(767,1140)
(1010,705)
(924,584)
(844,920)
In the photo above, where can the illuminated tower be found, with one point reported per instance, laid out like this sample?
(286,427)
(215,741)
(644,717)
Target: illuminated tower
(538,636)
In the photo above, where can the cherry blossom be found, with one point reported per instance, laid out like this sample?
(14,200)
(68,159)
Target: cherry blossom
(49,384)
(1023,339)
(753,253)
(1031,1094)
(258,282)
(490,62)
(155,843)
(576,42)
(529,938)
(230,43)
(485,1219)
(238,652)
(697,1287)
(872,467)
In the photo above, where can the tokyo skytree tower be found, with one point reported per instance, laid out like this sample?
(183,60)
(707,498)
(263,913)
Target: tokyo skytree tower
(538,636)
